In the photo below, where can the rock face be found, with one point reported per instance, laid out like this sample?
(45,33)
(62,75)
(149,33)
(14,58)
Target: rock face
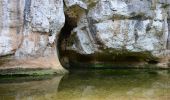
(29,30)
(122,25)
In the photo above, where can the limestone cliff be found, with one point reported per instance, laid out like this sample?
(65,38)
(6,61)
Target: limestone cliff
(30,31)
(122,26)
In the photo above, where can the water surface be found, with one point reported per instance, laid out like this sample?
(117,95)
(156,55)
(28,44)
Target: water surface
(91,85)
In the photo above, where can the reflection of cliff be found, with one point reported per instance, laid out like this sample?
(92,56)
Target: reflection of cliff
(26,90)
(94,85)
(115,85)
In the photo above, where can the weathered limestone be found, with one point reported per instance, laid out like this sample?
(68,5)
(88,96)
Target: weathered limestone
(80,3)
(132,25)
(29,30)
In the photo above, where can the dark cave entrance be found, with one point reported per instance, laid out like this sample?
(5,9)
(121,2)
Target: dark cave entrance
(70,24)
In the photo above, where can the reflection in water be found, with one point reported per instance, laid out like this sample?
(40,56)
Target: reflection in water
(94,85)
(29,90)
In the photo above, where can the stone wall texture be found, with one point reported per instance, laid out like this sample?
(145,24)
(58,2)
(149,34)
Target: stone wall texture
(29,29)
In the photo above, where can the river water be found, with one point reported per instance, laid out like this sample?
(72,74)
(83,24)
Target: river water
(90,85)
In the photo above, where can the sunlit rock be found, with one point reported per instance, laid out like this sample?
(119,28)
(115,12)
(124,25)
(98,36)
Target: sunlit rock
(29,30)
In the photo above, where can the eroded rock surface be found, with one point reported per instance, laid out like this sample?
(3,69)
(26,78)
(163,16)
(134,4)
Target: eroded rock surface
(29,30)
(128,25)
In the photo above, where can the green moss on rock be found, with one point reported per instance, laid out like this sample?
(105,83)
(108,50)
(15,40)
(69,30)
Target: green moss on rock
(27,72)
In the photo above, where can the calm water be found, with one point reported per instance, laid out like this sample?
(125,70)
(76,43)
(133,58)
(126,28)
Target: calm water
(91,85)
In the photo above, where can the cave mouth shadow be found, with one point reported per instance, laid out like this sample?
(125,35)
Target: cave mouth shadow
(70,24)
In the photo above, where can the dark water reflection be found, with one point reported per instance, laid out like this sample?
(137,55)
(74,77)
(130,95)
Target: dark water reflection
(93,85)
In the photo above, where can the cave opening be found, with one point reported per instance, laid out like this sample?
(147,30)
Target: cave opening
(70,24)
